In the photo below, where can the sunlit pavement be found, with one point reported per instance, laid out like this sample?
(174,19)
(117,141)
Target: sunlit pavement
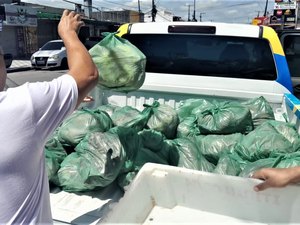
(19,65)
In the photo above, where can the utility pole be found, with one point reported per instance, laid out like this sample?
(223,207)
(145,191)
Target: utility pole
(194,13)
(189,11)
(266,8)
(139,7)
(78,8)
(297,14)
(201,16)
(88,8)
(153,11)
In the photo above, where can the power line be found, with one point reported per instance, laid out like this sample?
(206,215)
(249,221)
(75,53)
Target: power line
(115,3)
(78,5)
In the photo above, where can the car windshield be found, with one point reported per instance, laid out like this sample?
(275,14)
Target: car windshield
(57,45)
(207,55)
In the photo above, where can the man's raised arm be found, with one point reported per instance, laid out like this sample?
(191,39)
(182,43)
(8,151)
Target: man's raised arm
(81,66)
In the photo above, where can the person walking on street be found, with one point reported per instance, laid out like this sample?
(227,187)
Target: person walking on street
(28,116)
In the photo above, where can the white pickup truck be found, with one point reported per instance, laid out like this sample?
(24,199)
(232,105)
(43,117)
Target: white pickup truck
(191,60)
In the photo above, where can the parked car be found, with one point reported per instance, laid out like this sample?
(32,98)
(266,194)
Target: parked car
(51,55)
(8,58)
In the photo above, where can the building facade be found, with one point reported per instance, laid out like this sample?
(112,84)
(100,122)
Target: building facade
(25,27)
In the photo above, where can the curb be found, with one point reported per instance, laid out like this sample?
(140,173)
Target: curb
(17,69)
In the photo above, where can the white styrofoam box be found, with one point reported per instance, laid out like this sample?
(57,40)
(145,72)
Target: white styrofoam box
(82,208)
(163,194)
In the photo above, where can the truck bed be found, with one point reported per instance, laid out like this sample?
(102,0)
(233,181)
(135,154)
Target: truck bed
(170,44)
(89,208)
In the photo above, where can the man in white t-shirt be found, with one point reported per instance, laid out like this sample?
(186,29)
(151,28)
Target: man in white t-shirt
(28,115)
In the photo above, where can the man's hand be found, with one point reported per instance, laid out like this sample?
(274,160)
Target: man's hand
(276,177)
(70,24)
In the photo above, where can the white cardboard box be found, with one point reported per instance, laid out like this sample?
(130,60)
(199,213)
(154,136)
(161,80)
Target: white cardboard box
(171,195)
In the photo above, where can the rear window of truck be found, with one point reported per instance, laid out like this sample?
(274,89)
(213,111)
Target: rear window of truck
(206,55)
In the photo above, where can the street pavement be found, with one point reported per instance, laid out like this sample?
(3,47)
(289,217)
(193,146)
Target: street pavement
(19,65)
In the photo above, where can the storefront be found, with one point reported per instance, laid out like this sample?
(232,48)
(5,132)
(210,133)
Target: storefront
(28,27)
(19,31)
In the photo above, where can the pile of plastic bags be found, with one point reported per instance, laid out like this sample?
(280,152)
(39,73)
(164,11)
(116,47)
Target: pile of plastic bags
(95,147)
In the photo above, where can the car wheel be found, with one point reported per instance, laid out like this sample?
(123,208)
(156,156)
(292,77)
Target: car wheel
(64,63)
(8,60)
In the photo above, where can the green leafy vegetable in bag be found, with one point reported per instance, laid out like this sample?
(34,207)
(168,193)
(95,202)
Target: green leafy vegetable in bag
(260,109)
(121,65)
(164,119)
(98,159)
(225,117)
(80,123)
(55,154)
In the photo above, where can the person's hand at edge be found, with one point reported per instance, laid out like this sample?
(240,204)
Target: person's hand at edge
(276,177)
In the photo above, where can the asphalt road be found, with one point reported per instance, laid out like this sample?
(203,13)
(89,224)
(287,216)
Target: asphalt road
(18,78)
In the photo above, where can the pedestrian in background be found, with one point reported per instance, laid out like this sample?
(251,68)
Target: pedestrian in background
(28,115)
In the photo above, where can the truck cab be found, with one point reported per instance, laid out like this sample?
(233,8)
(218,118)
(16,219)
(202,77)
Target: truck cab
(238,57)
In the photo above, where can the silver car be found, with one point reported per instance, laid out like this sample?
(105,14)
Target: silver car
(51,55)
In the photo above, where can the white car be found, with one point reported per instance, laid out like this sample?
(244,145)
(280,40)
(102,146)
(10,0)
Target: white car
(52,54)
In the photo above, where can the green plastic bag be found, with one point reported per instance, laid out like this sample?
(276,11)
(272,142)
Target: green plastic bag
(163,119)
(190,156)
(97,162)
(121,65)
(268,138)
(152,139)
(229,164)
(54,154)
(131,142)
(251,167)
(188,127)
(212,146)
(108,108)
(124,115)
(80,123)
(287,160)
(225,117)
(260,109)
(190,106)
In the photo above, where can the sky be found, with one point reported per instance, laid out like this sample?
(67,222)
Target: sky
(240,11)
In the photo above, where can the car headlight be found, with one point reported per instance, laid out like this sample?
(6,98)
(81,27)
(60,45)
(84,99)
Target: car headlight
(32,58)
(54,57)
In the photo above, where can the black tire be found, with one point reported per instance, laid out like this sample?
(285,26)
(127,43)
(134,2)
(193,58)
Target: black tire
(64,64)
(8,58)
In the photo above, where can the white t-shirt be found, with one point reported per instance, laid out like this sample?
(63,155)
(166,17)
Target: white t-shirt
(28,115)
